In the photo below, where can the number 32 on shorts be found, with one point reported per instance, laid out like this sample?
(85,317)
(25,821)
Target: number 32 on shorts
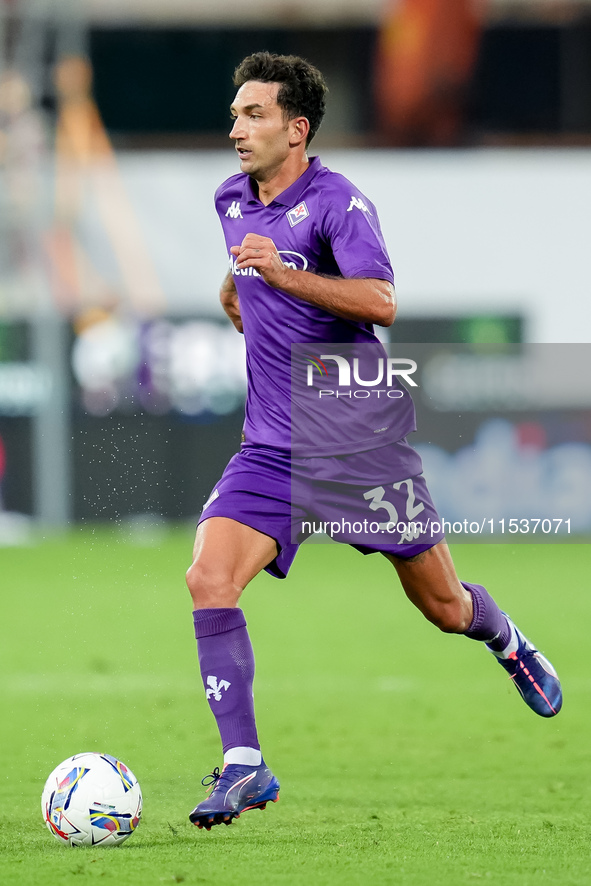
(377,502)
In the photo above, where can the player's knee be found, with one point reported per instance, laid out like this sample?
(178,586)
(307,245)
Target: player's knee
(449,618)
(211,587)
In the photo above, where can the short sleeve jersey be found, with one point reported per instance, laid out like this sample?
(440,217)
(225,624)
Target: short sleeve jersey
(322,224)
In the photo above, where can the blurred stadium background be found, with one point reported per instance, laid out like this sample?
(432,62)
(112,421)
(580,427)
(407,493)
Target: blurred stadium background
(468,122)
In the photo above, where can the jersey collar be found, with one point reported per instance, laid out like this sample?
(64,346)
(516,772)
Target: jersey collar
(290,196)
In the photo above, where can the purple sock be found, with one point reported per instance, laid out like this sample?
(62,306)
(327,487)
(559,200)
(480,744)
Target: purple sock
(488,622)
(226,660)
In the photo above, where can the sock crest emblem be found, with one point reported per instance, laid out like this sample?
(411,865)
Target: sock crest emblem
(215,688)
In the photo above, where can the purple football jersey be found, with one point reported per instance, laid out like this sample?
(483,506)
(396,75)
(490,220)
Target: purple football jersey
(323,224)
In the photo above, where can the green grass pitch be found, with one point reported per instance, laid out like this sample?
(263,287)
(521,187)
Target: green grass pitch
(405,756)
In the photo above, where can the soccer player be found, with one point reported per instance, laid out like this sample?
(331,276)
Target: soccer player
(308,263)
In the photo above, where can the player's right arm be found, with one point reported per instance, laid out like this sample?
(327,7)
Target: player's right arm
(229,300)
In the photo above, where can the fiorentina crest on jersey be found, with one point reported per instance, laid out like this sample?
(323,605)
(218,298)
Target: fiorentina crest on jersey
(297,214)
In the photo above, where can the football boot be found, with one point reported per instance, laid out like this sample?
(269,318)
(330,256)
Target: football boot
(235,790)
(534,677)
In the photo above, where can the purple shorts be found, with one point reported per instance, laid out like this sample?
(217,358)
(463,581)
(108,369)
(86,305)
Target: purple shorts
(373,501)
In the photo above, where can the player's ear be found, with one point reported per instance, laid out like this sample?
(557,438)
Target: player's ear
(300,127)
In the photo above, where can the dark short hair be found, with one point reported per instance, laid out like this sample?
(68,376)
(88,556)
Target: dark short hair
(302,92)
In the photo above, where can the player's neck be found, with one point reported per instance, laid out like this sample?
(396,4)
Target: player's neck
(282,179)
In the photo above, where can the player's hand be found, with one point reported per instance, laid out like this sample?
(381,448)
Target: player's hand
(261,254)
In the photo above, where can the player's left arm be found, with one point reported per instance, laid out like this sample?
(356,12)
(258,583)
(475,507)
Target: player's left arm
(230,302)
(362,299)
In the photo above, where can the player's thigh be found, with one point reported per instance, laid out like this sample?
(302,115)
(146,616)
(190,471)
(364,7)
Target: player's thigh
(228,553)
(430,582)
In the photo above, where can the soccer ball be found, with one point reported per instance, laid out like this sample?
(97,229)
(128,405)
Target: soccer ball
(91,800)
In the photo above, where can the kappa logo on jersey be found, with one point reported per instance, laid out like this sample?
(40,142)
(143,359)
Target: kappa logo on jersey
(215,688)
(297,214)
(233,211)
(357,203)
(412,530)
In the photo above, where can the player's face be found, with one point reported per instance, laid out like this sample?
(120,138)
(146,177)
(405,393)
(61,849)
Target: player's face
(260,132)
